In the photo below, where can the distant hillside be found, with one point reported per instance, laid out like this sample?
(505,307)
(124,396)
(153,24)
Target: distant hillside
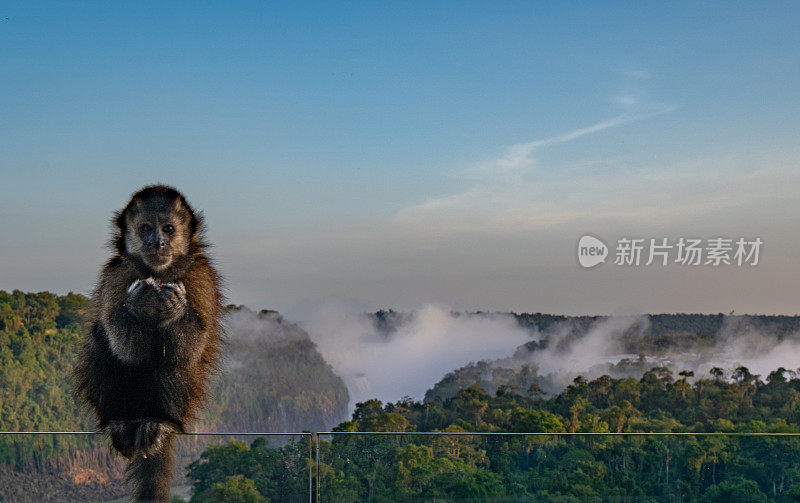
(660,332)
(273,378)
(654,326)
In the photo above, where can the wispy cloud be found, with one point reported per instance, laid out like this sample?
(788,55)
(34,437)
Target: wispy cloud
(505,196)
(520,156)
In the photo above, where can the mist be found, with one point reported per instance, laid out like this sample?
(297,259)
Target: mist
(741,343)
(409,356)
(570,353)
(621,346)
(552,357)
(391,355)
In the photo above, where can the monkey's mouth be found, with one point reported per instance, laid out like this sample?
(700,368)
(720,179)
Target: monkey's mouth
(159,257)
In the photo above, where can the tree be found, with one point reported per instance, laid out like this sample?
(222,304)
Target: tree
(235,489)
(736,489)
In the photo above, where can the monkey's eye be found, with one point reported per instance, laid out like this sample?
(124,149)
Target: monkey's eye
(168,229)
(145,228)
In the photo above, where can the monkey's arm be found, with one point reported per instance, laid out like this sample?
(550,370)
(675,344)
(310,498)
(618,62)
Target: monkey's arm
(152,320)
(128,320)
(187,341)
(183,336)
(194,314)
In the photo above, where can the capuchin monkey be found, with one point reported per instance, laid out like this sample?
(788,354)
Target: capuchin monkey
(154,335)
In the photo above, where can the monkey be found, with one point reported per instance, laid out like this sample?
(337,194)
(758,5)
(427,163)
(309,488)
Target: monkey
(154,334)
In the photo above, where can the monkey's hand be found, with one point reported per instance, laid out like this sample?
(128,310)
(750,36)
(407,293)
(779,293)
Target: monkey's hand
(174,306)
(139,438)
(144,299)
(162,304)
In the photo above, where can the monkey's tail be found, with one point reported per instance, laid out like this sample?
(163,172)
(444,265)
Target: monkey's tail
(151,476)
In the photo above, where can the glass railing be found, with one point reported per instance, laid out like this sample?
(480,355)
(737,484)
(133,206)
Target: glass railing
(418,466)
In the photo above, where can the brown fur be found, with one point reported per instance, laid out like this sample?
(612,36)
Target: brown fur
(153,343)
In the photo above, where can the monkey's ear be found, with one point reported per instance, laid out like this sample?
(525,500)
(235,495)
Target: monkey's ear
(181,206)
(119,220)
(121,216)
(120,223)
(196,222)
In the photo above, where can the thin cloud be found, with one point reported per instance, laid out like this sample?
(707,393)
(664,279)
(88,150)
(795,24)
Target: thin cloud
(519,156)
(604,194)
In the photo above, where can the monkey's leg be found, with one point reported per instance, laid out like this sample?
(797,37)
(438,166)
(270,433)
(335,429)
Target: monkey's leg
(150,436)
(122,434)
(135,438)
(151,476)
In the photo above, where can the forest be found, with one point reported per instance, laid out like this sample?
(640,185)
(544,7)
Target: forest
(275,379)
(636,396)
(557,468)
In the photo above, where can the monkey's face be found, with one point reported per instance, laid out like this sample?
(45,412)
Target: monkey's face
(157,232)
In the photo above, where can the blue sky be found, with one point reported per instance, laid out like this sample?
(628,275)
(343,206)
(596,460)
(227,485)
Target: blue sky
(394,154)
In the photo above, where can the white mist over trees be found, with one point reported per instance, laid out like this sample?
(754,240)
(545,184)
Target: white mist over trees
(389,355)
(564,348)
(407,357)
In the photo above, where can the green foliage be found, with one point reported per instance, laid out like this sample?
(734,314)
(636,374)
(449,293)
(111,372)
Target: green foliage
(557,468)
(736,489)
(255,473)
(235,489)
(39,337)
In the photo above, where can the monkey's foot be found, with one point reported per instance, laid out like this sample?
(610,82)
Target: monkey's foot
(139,438)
